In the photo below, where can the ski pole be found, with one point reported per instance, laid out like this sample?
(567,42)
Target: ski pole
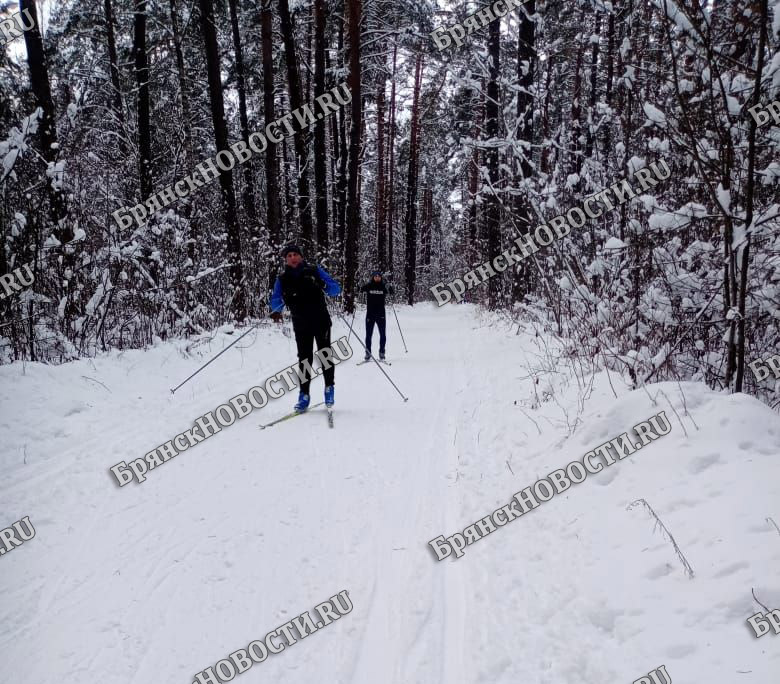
(254,325)
(376,362)
(354,313)
(399,327)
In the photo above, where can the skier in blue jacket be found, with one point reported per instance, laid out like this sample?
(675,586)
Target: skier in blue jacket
(302,288)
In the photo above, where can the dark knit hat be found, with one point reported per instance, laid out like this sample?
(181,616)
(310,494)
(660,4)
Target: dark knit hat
(291,248)
(376,273)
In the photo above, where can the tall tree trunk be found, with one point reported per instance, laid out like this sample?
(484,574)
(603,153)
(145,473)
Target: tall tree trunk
(301,147)
(423,212)
(182,73)
(47,130)
(492,110)
(478,111)
(355,11)
(526,68)
(361,158)
(320,142)
(410,220)
(113,61)
(427,224)
(238,304)
(189,158)
(749,197)
(391,174)
(142,83)
(576,114)
(526,75)
(249,184)
(625,106)
(592,114)
(610,78)
(381,237)
(335,151)
(544,159)
(341,185)
(273,206)
(309,54)
(289,204)
(47,141)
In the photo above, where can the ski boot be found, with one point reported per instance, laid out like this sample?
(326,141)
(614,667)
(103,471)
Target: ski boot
(367,356)
(329,392)
(303,403)
(381,356)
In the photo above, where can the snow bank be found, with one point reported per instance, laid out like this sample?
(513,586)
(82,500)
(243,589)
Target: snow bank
(227,541)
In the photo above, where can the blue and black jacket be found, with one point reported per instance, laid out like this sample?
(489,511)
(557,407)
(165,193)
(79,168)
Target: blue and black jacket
(302,290)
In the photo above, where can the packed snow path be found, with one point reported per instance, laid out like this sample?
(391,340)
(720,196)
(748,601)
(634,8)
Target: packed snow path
(153,582)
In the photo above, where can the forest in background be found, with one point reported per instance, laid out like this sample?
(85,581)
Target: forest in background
(439,161)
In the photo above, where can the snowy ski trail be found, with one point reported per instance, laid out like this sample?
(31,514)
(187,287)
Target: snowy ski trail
(156,581)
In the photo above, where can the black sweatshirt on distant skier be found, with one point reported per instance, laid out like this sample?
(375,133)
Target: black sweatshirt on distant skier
(375,298)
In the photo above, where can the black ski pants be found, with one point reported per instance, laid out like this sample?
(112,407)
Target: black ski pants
(379,319)
(305,339)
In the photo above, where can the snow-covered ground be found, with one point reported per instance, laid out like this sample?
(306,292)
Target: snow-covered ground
(154,582)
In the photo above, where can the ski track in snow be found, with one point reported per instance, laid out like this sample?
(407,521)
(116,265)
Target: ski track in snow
(247,530)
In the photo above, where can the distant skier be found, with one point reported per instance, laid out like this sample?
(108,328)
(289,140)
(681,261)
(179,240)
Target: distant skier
(376,292)
(302,288)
